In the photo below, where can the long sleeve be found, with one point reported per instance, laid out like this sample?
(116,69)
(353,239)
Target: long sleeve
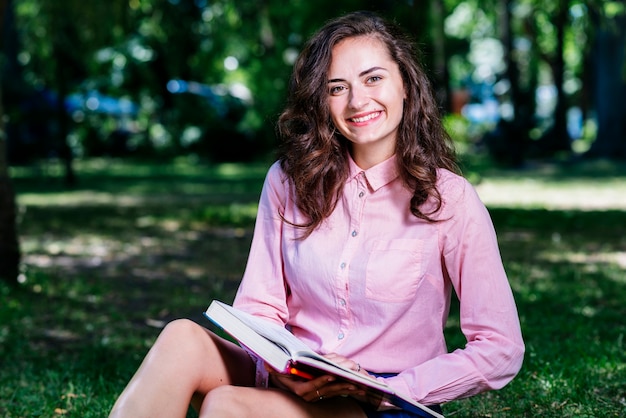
(489,320)
(373,283)
(263,291)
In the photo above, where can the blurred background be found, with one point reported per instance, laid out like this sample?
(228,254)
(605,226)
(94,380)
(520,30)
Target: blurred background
(134,140)
(518,79)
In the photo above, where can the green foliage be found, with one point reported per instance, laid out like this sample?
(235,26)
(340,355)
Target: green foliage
(245,49)
(134,246)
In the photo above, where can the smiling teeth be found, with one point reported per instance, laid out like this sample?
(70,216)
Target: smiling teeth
(365,118)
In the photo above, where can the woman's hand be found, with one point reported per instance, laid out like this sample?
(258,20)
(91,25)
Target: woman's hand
(316,389)
(347,363)
(363,395)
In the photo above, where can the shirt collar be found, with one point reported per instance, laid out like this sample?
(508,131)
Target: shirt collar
(378,175)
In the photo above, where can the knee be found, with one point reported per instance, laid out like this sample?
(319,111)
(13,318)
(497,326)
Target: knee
(223,395)
(226,397)
(181,333)
(180,328)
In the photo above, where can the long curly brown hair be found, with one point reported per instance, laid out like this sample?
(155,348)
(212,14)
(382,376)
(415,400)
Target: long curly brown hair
(314,155)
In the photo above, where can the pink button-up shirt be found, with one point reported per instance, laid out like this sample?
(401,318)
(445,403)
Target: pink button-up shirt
(373,283)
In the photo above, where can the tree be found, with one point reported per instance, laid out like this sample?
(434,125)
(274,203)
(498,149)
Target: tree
(440,58)
(146,44)
(608,84)
(557,138)
(60,40)
(9,245)
(514,131)
(561,139)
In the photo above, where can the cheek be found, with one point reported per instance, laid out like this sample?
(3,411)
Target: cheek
(399,101)
(335,112)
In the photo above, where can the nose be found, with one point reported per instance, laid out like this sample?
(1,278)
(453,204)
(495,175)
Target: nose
(358,97)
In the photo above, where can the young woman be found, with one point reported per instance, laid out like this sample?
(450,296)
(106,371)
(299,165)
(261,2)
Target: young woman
(363,231)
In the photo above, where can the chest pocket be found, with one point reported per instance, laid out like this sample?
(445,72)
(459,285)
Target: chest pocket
(395,269)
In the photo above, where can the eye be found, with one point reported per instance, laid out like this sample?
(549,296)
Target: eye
(335,90)
(374,79)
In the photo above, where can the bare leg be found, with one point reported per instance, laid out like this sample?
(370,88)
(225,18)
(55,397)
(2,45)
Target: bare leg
(185,361)
(249,402)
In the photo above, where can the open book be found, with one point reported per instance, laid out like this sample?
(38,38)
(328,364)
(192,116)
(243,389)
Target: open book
(287,354)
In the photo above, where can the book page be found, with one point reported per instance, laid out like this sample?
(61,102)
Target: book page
(273,332)
(281,349)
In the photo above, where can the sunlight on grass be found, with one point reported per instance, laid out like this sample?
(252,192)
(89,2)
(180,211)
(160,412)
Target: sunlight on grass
(182,166)
(537,193)
(588,185)
(135,245)
(132,184)
(618,258)
(78,198)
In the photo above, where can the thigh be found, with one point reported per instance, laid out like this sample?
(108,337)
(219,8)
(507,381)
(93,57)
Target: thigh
(217,362)
(213,360)
(185,362)
(274,403)
(226,363)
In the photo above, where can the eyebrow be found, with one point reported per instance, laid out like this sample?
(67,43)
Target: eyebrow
(361,74)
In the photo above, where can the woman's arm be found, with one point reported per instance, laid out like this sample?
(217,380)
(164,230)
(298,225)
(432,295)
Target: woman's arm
(471,262)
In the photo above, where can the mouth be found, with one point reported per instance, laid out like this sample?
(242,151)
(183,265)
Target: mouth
(365,118)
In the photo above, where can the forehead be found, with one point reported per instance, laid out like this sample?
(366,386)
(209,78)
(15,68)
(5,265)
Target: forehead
(360,52)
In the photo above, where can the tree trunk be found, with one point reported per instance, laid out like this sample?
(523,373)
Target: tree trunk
(508,143)
(64,149)
(561,139)
(442,82)
(9,245)
(609,89)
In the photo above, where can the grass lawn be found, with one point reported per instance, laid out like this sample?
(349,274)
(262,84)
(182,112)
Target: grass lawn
(133,246)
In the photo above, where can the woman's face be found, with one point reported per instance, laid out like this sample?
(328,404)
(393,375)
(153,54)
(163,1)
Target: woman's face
(366,98)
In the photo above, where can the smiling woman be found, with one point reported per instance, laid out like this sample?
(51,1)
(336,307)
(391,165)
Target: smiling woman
(363,232)
(366,98)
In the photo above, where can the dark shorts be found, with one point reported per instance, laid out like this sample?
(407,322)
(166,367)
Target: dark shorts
(371,411)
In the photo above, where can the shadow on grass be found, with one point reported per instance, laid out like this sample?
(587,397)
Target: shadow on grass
(568,273)
(101,280)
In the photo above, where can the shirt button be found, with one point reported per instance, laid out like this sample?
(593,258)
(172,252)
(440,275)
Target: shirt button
(342,265)
(340,336)
(361,194)
(354,233)
(342,302)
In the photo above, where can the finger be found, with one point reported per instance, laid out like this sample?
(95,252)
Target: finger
(332,390)
(343,361)
(320,381)
(319,395)
(320,389)
(309,390)
(335,357)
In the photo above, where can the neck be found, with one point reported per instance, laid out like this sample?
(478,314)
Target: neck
(366,157)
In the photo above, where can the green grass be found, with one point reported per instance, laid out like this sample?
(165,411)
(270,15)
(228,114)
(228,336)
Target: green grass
(134,246)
